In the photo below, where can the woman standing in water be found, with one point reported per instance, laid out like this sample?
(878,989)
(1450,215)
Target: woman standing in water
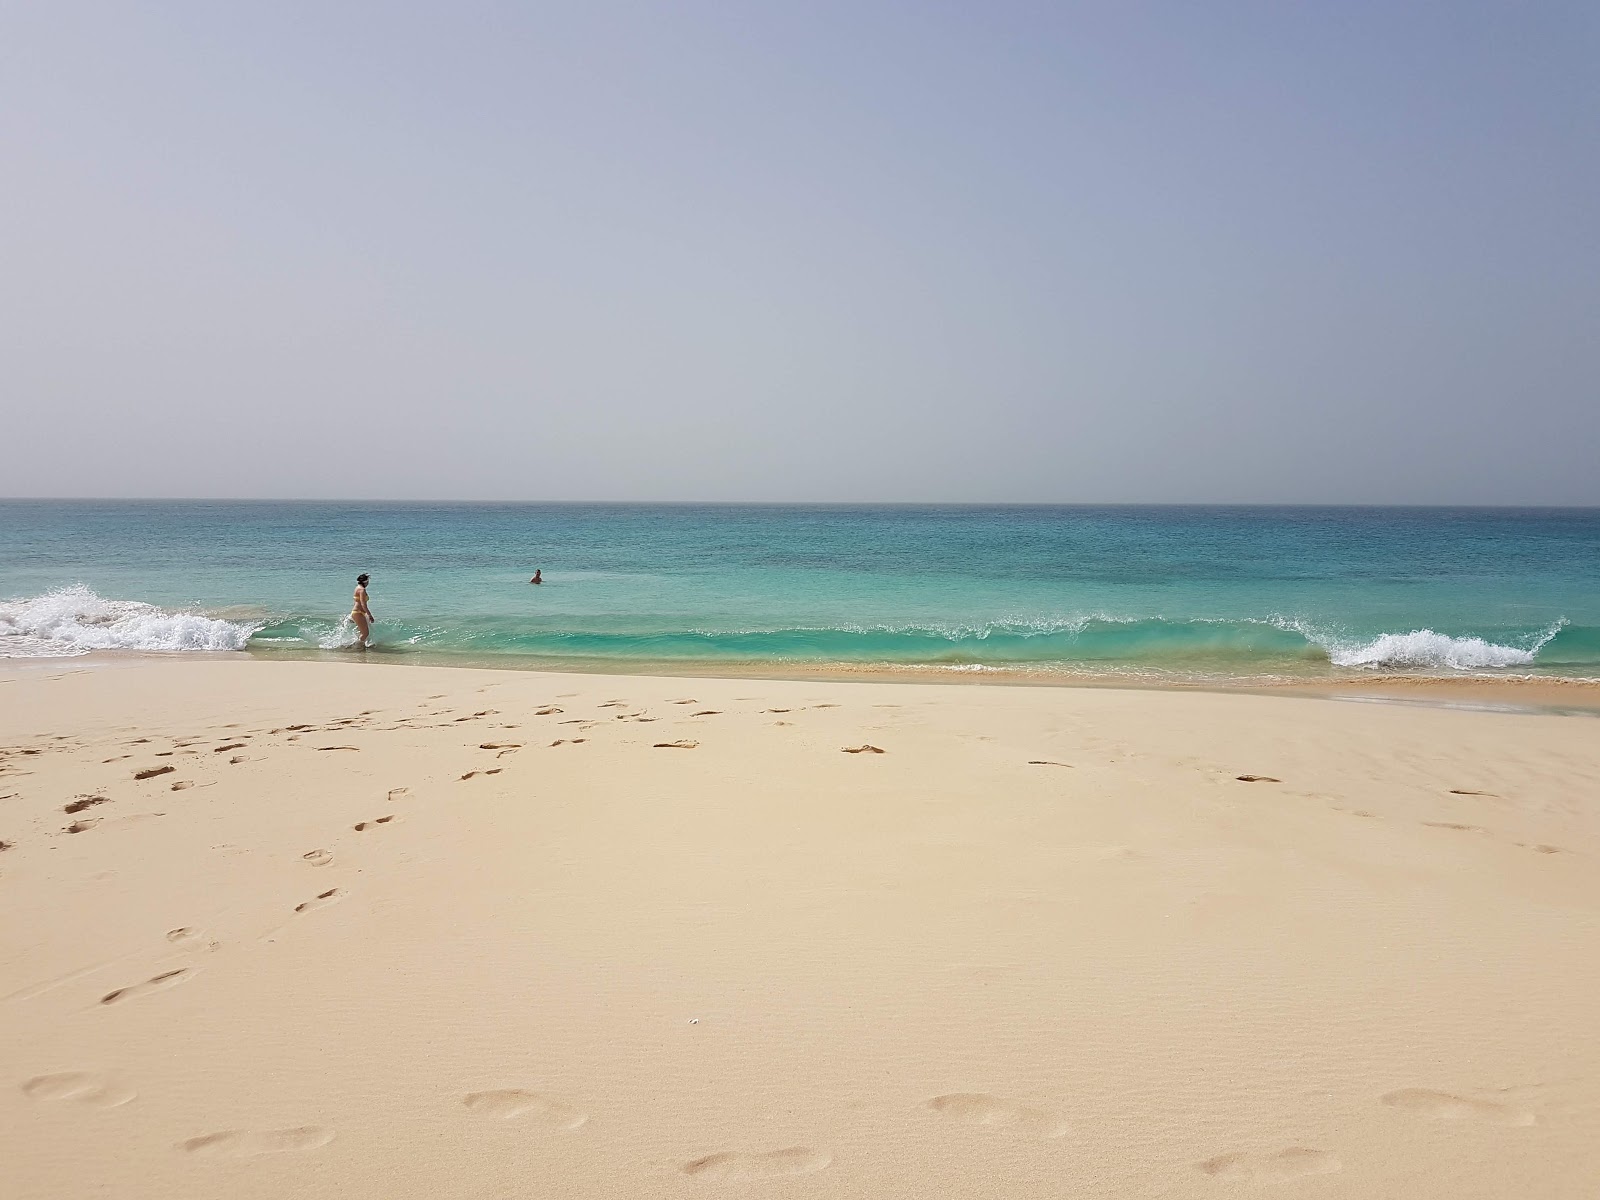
(360,613)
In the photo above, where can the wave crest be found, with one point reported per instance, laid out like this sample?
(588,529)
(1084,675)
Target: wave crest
(74,620)
(1425,648)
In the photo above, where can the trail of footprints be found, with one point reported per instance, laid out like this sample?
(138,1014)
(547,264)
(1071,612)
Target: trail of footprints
(1294,1162)
(978,1110)
(1451,826)
(232,740)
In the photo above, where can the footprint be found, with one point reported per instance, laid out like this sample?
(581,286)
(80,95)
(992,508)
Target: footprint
(1456,826)
(1542,848)
(155,983)
(514,1102)
(318,858)
(191,938)
(83,802)
(1291,1163)
(363,826)
(1442,1106)
(710,712)
(500,746)
(357,748)
(1045,762)
(736,1164)
(976,1108)
(1470,792)
(182,785)
(320,900)
(864,748)
(685,702)
(78,1087)
(229,746)
(548,711)
(85,823)
(152,772)
(1256,779)
(776,710)
(396,793)
(685,745)
(245,1143)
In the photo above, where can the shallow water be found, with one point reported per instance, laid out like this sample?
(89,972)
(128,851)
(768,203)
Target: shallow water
(1137,592)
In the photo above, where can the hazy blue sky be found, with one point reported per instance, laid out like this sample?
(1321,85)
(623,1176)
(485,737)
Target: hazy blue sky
(855,251)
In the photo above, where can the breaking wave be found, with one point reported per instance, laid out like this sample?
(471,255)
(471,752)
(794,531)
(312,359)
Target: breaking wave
(1424,648)
(74,620)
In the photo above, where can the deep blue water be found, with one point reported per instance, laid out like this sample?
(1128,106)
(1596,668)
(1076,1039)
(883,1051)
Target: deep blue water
(1145,591)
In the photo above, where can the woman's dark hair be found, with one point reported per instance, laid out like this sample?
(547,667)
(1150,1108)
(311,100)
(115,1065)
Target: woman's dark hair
(362,580)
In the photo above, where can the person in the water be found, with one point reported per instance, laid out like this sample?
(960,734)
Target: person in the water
(538,576)
(360,613)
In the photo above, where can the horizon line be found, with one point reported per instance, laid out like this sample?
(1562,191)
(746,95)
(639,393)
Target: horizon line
(791,503)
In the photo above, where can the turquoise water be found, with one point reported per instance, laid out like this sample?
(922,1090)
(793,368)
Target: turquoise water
(1148,592)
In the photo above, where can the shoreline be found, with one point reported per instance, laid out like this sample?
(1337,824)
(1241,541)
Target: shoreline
(1555,694)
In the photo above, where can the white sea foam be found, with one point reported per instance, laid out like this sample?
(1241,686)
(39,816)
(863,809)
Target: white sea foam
(1425,648)
(344,634)
(74,620)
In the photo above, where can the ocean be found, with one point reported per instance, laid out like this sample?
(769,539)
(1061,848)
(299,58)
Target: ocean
(1181,594)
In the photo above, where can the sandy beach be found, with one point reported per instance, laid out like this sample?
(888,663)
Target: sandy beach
(325,930)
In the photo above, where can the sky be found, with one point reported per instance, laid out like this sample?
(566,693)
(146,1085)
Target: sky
(1052,252)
